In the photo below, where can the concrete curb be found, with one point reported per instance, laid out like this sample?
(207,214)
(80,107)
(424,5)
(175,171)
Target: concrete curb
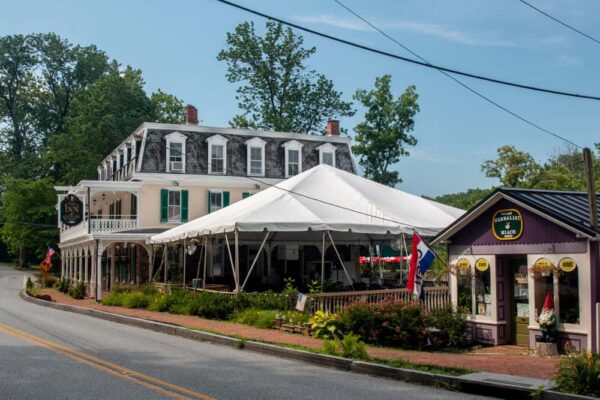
(340,363)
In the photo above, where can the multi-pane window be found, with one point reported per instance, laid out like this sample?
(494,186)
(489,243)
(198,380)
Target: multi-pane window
(174,206)
(256,161)
(328,159)
(217,160)
(293,162)
(216,201)
(176,152)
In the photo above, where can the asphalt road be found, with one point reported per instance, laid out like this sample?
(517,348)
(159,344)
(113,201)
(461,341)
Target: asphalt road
(52,354)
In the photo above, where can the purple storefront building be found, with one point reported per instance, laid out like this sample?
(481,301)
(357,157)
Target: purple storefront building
(513,247)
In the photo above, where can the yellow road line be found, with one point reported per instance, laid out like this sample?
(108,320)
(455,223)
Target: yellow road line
(106,366)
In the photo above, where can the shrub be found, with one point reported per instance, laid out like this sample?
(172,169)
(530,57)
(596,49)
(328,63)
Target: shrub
(47,282)
(134,300)
(394,324)
(579,374)
(325,325)
(159,303)
(262,301)
(77,291)
(350,346)
(114,298)
(28,286)
(452,325)
(214,306)
(294,317)
(258,318)
(63,285)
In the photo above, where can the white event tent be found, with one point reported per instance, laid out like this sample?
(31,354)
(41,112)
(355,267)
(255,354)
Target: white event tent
(322,202)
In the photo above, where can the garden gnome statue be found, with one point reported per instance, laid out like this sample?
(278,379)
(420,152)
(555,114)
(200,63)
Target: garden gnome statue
(547,319)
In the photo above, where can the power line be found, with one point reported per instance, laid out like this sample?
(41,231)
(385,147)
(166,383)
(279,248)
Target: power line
(475,92)
(560,22)
(409,60)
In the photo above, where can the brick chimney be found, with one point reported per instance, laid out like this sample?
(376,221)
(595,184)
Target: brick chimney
(191,115)
(333,127)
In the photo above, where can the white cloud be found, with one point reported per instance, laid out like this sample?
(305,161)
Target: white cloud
(439,31)
(565,60)
(555,41)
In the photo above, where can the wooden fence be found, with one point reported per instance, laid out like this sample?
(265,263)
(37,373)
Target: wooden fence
(435,297)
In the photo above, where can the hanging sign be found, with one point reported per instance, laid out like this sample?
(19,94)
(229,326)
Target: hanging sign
(567,264)
(542,264)
(71,210)
(463,264)
(507,224)
(482,264)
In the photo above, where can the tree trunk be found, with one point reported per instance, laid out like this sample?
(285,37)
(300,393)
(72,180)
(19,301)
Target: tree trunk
(22,263)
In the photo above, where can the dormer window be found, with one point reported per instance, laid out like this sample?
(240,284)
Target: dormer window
(217,155)
(327,154)
(293,158)
(175,152)
(256,157)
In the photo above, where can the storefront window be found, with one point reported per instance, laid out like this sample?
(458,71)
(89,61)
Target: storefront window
(483,294)
(465,292)
(568,289)
(542,285)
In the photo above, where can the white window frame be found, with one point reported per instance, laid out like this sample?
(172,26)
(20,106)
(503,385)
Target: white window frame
(260,144)
(169,206)
(211,191)
(292,145)
(175,137)
(327,148)
(217,140)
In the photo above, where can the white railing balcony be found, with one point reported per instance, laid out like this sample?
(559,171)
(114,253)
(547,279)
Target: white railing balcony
(98,226)
(112,225)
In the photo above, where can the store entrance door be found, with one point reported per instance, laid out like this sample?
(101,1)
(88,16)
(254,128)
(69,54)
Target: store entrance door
(519,300)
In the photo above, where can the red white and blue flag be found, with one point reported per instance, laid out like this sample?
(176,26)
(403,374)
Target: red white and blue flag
(49,255)
(421,258)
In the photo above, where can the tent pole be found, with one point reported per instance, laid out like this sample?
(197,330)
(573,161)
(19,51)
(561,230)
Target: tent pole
(370,259)
(237,261)
(205,257)
(151,262)
(340,259)
(166,257)
(323,263)
(200,261)
(184,260)
(231,259)
(254,262)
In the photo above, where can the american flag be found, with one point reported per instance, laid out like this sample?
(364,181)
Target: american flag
(49,254)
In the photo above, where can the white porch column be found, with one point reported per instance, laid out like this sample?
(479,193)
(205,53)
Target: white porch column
(62,263)
(101,248)
(85,266)
(80,266)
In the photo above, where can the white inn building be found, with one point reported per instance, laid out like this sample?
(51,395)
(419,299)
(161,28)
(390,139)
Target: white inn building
(163,175)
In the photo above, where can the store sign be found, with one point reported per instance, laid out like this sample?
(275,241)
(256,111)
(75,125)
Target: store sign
(482,264)
(543,264)
(71,210)
(567,264)
(507,224)
(463,264)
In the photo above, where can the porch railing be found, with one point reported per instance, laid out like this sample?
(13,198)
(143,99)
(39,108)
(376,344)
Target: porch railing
(98,226)
(435,297)
(112,225)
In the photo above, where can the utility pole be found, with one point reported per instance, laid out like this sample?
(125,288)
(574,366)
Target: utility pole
(591,189)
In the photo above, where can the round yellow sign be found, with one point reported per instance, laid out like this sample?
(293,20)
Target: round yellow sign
(463,264)
(567,264)
(543,263)
(482,264)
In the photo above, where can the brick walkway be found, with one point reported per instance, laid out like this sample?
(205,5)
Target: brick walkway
(512,360)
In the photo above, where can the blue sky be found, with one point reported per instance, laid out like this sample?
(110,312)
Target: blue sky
(175,44)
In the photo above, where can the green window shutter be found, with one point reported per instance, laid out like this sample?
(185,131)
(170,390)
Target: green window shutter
(164,205)
(184,206)
(225,199)
(209,201)
(245,195)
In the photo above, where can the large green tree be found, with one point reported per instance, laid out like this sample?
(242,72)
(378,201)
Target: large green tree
(512,167)
(102,117)
(464,200)
(276,89)
(383,136)
(28,216)
(167,108)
